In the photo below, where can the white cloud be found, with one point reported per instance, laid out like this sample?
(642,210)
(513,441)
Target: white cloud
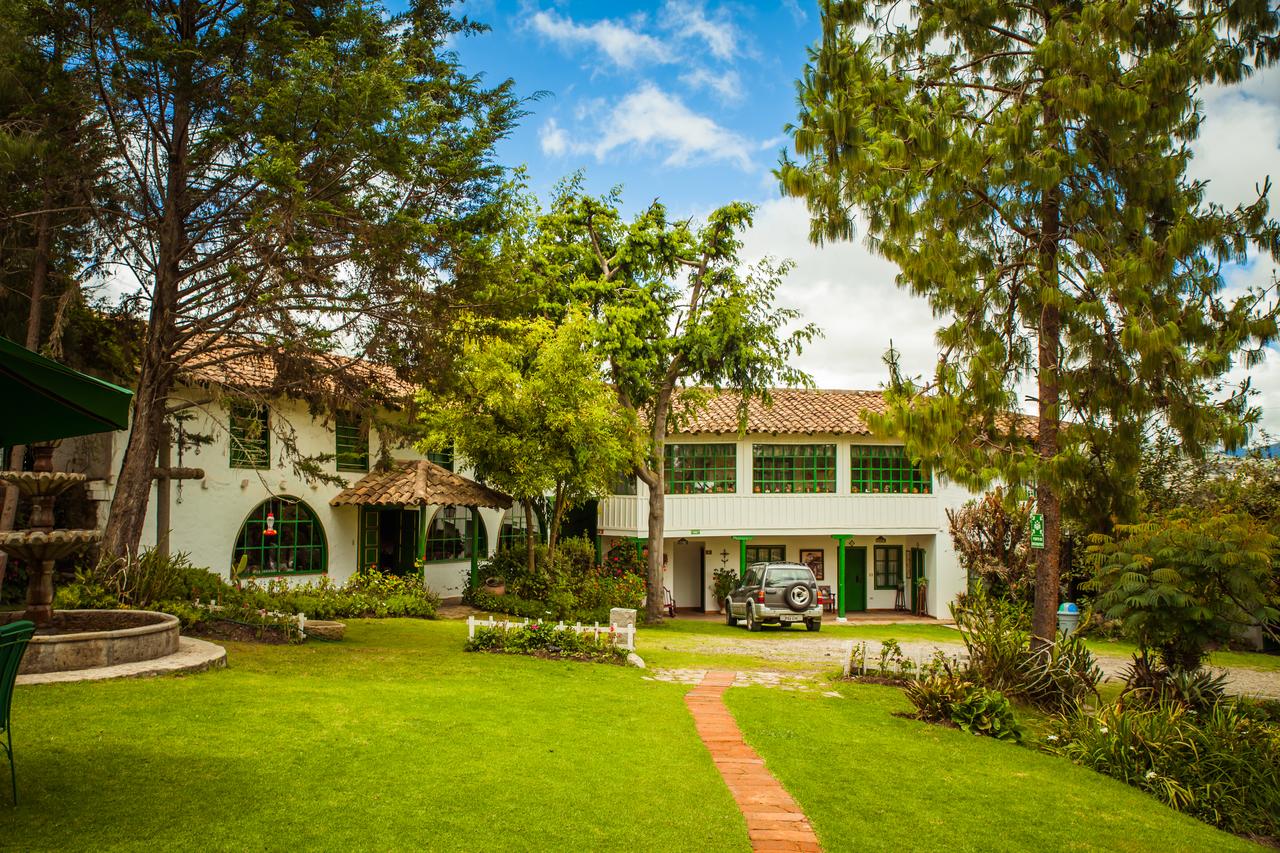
(689,20)
(650,119)
(850,293)
(625,46)
(728,85)
(553,139)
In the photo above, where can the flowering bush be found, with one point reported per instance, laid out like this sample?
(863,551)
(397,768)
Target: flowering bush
(1221,765)
(544,640)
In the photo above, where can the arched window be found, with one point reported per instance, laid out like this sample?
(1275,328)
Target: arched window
(513,526)
(449,534)
(281,536)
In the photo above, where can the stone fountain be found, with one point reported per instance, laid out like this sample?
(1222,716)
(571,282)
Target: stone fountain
(73,639)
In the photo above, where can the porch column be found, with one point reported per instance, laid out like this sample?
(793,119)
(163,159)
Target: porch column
(475,544)
(840,538)
(742,555)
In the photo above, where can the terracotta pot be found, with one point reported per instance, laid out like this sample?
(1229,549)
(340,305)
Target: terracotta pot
(495,587)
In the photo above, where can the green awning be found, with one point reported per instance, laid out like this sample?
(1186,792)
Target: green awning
(42,400)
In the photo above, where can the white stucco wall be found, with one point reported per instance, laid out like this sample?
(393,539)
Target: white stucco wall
(206,515)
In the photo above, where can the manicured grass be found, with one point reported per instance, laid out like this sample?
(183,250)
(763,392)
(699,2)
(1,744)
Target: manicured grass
(392,739)
(871,781)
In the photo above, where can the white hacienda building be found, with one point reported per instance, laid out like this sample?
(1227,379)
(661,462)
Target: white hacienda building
(808,482)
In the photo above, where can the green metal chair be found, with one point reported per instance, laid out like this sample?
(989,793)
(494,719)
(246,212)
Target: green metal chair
(13,644)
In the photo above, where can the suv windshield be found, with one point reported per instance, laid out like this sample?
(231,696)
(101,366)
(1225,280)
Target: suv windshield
(780,576)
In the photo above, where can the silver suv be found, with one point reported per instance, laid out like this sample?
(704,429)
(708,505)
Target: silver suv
(775,594)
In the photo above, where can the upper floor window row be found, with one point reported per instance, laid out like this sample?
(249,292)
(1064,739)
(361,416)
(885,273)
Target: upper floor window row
(793,468)
(701,469)
(885,469)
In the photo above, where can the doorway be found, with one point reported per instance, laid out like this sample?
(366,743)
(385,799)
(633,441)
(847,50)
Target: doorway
(390,539)
(855,578)
(688,582)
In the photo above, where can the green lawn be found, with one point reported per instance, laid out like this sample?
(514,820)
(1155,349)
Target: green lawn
(396,738)
(871,781)
(392,739)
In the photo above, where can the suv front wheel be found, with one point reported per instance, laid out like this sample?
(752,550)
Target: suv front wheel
(729,618)
(752,624)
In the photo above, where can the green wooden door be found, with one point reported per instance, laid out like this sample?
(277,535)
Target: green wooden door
(855,578)
(917,572)
(369,532)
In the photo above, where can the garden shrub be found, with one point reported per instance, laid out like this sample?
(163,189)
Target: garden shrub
(1221,765)
(1149,683)
(544,640)
(949,698)
(1186,581)
(567,585)
(997,636)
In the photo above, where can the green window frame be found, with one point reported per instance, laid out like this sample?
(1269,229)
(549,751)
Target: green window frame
(766,554)
(513,526)
(699,469)
(350,442)
(448,535)
(793,468)
(297,547)
(888,566)
(443,458)
(250,435)
(886,469)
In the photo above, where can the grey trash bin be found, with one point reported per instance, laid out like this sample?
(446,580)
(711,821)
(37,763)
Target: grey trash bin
(1068,617)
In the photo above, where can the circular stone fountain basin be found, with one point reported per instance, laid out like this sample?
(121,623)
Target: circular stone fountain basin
(85,639)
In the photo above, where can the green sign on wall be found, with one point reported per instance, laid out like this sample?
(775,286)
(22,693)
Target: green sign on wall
(1037,531)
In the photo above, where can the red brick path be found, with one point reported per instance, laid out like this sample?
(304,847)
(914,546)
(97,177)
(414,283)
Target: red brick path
(774,820)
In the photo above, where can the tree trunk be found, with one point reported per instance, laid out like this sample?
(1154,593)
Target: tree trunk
(657,530)
(133,483)
(557,518)
(1044,619)
(528,538)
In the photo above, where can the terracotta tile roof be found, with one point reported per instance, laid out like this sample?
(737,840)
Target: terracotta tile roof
(805,411)
(417,482)
(247,366)
(794,410)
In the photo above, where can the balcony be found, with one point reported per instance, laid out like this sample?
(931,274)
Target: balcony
(725,515)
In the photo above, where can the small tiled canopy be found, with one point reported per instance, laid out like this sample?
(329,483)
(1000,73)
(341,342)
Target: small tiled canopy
(418,482)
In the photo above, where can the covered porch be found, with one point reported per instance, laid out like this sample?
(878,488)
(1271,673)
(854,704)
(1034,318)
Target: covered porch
(418,517)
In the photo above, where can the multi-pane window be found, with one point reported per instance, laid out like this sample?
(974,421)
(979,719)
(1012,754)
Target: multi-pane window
(800,468)
(351,442)
(695,469)
(888,566)
(450,532)
(250,435)
(281,536)
(766,554)
(443,458)
(881,469)
(514,525)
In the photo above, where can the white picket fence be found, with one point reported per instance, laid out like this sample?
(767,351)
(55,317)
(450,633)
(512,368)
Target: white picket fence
(620,635)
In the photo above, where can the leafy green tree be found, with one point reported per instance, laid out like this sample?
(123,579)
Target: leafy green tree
(992,542)
(1186,581)
(1025,165)
(290,178)
(676,316)
(531,411)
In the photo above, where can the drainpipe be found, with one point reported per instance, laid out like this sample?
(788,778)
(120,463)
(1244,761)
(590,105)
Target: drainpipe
(742,555)
(840,538)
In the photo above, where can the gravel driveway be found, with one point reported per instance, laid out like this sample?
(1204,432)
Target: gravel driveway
(830,653)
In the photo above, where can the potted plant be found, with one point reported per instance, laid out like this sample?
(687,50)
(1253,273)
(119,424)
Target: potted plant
(495,586)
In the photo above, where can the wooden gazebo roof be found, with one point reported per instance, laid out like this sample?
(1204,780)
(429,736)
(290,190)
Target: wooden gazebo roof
(417,482)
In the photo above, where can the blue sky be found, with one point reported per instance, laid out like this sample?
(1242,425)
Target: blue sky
(686,101)
(681,101)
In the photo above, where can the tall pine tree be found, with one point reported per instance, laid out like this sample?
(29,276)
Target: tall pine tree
(1025,165)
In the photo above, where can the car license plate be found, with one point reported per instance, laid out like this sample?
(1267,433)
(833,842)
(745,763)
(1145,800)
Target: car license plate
(796,618)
